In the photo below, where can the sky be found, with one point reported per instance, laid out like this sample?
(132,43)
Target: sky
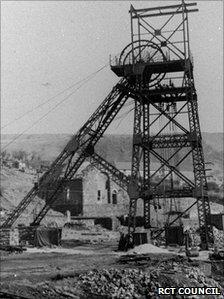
(48,46)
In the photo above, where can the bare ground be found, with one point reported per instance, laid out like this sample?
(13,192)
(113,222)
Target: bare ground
(49,273)
(22,274)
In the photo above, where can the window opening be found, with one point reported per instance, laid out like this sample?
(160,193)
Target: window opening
(99,195)
(114,197)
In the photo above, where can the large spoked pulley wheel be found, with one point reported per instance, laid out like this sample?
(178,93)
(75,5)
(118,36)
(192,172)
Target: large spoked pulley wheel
(144,52)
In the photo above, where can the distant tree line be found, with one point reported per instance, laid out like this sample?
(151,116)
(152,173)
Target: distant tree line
(31,159)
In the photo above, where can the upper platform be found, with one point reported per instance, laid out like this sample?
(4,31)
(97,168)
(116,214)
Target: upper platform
(150,61)
(150,68)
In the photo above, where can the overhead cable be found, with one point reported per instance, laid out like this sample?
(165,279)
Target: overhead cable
(59,103)
(51,98)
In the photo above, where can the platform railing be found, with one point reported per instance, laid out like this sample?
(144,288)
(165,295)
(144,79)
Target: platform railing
(115,60)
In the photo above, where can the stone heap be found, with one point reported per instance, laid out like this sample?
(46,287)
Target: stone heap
(115,283)
(135,283)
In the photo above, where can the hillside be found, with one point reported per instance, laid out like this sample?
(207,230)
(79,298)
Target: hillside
(215,140)
(114,148)
(14,186)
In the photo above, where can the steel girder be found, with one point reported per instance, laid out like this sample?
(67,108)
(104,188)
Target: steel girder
(116,175)
(174,168)
(146,166)
(190,138)
(133,188)
(168,141)
(170,193)
(179,59)
(109,111)
(201,187)
(123,181)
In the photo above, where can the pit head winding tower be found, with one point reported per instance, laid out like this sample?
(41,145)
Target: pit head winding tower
(158,65)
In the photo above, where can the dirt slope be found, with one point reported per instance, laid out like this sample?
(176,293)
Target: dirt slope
(14,185)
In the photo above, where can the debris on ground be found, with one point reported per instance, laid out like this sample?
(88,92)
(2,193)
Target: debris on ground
(115,283)
(135,283)
(116,280)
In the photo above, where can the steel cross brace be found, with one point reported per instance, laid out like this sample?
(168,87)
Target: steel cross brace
(168,141)
(117,176)
(173,168)
(79,145)
(144,99)
(86,150)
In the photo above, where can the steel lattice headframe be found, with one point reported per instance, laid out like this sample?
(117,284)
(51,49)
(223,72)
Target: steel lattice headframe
(156,71)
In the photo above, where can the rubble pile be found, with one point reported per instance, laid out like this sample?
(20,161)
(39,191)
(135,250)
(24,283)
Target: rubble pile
(136,283)
(198,278)
(129,282)
(218,236)
(179,265)
(116,283)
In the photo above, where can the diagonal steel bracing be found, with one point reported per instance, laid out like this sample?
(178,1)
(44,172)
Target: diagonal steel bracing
(74,153)
(116,175)
(87,150)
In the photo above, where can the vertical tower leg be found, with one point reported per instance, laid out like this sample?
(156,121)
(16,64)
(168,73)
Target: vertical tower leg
(201,188)
(146,166)
(133,186)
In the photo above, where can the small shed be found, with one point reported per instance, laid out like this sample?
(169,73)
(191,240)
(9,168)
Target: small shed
(47,236)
